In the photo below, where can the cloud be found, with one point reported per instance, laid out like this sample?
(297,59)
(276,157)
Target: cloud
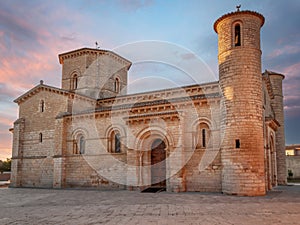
(292,71)
(7,93)
(291,90)
(33,33)
(280,41)
(19,30)
(31,36)
(285,50)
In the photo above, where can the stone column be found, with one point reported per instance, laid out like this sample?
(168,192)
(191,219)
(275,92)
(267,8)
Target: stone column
(175,162)
(17,153)
(277,105)
(59,154)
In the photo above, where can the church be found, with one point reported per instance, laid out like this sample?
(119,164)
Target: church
(225,136)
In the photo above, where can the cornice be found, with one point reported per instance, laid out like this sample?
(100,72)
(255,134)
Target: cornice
(244,12)
(43,87)
(195,89)
(91,51)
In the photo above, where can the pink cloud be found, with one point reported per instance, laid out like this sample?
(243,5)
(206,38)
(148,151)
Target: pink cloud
(4,120)
(291,89)
(31,37)
(285,50)
(292,71)
(292,111)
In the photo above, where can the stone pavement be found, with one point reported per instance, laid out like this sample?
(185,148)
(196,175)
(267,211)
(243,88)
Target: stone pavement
(49,206)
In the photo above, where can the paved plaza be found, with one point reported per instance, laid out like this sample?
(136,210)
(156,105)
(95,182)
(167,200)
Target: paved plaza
(50,206)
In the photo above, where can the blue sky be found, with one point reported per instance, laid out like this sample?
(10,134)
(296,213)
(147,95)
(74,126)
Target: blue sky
(33,33)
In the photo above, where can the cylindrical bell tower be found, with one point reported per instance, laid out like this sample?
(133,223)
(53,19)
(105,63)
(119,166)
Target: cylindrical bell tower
(242,148)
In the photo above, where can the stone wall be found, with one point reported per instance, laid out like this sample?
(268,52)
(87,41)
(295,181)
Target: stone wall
(85,171)
(203,179)
(33,161)
(277,105)
(139,126)
(293,164)
(96,71)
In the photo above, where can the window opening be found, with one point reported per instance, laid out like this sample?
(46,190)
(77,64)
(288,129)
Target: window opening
(203,138)
(41,137)
(117,143)
(237,143)
(74,82)
(42,106)
(117,85)
(81,145)
(237,35)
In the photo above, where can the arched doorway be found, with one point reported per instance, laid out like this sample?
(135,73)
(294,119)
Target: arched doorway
(158,163)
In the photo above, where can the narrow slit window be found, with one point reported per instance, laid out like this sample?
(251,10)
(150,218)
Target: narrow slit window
(40,137)
(117,85)
(237,35)
(203,138)
(237,143)
(117,143)
(74,82)
(81,145)
(42,106)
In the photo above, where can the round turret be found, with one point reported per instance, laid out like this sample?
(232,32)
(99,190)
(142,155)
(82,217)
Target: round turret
(242,148)
(277,105)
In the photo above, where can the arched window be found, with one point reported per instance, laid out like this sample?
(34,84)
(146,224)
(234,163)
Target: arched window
(42,106)
(40,137)
(117,85)
(117,143)
(237,35)
(74,82)
(203,135)
(114,142)
(79,145)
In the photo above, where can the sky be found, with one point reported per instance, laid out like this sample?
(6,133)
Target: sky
(34,32)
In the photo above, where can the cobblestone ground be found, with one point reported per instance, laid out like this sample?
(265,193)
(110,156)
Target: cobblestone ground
(48,206)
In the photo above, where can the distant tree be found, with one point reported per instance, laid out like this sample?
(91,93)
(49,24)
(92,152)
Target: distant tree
(5,165)
(290,173)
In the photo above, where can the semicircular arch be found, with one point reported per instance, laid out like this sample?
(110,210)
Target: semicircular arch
(146,137)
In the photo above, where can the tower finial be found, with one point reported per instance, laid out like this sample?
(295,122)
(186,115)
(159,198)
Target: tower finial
(238,7)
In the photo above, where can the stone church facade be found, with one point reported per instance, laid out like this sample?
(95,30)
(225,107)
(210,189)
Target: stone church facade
(225,136)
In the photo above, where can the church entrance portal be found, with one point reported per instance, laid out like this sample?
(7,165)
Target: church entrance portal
(158,163)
